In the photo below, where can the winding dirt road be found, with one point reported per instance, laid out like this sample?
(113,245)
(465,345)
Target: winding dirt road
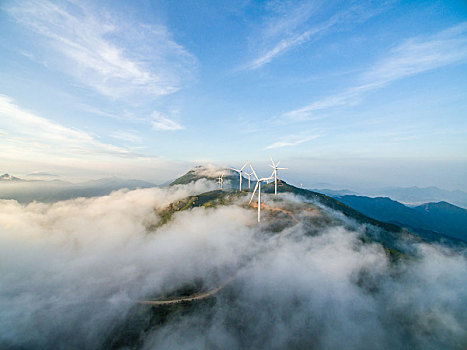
(198,296)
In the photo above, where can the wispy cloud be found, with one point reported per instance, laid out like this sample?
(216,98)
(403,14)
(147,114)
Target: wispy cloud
(106,52)
(31,142)
(162,122)
(418,55)
(41,174)
(30,132)
(292,140)
(292,26)
(100,112)
(125,136)
(286,44)
(413,56)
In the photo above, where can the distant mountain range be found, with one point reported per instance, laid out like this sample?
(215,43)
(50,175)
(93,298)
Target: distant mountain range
(334,193)
(408,195)
(441,217)
(419,195)
(25,191)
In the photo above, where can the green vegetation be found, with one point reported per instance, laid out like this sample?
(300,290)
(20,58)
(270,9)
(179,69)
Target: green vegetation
(209,199)
(376,231)
(190,176)
(329,202)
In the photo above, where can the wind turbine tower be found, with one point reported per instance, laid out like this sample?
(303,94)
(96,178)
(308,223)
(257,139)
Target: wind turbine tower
(274,174)
(220,180)
(240,172)
(249,178)
(258,187)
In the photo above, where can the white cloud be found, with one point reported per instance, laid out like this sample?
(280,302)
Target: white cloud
(292,140)
(32,142)
(162,122)
(42,134)
(76,269)
(111,55)
(41,174)
(419,55)
(292,26)
(413,56)
(212,170)
(125,136)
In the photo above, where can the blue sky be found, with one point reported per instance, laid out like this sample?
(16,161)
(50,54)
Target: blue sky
(362,93)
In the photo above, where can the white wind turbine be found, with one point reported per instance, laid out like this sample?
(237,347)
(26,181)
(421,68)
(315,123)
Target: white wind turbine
(220,180)
(240,172)
(274,173)
(258,187)
(249,178)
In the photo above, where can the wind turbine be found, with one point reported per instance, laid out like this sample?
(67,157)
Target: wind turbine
(220,180)
(240,171)
(258,187)
(274,173)
(249,178)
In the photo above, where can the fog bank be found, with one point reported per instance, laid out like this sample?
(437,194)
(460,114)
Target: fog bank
(72,271)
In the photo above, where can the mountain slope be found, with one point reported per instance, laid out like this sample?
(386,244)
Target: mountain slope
(443,218)
(446,218)
(196,174)
(382,213)
(388,234)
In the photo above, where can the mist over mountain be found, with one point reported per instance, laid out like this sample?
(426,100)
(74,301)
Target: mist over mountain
(26,191)
(188,266)
(9,178)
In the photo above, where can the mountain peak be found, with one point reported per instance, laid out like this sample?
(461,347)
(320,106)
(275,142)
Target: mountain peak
(209,172)
(442,205)
(8,177)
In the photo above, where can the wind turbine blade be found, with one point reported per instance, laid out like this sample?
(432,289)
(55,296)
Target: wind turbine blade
(254,172)
(274,165)
(266,178)
(235,170)
(277,164)
(243,167)
(256,187)
(282,168)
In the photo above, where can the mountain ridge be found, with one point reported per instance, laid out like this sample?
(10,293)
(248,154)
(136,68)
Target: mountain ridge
(412,195)
(440,217)
(392,225)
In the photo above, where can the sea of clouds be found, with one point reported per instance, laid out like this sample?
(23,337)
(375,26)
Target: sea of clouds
(72,271)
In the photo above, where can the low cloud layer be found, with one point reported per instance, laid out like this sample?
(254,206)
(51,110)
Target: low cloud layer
(72,271)
(212,171)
